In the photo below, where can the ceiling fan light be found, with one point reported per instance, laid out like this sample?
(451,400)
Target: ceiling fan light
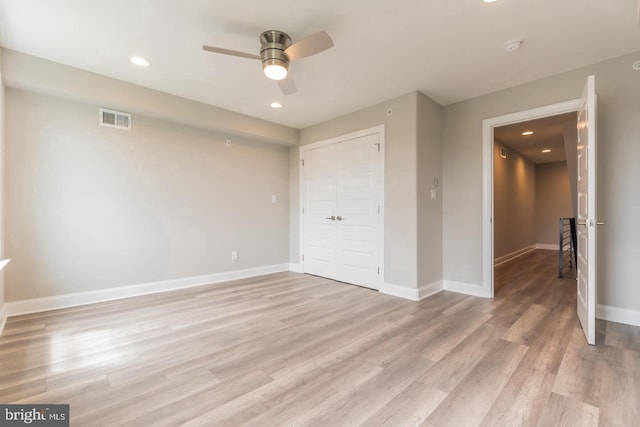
(275,71)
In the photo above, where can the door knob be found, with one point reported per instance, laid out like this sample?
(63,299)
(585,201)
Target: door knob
(332,218)
(339,218)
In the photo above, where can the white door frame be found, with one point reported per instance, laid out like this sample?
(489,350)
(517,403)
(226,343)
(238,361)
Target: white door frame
(487,176)
(380,237)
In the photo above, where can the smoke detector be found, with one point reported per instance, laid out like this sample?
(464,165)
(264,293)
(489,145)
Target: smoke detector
(514,45)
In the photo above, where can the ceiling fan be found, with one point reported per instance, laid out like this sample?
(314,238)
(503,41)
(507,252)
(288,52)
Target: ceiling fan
(276,51)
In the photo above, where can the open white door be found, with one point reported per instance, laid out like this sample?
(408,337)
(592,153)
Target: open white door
(587,211)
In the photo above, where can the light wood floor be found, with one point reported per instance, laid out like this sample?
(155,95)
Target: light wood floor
(289,349)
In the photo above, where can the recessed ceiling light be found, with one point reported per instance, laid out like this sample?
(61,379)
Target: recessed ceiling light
(276,105)
(489,1)
(546,150)
(636,65)
(514,45)
(140,61)
(527,133)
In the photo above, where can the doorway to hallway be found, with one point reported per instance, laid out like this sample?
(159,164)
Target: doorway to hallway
(586,218)
(533,164)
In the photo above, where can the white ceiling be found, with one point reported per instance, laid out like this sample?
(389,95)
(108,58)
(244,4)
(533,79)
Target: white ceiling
(450,50)
(548,133)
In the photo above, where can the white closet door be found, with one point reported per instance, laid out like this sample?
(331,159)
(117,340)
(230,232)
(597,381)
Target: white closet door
(342,224)
(319,182)
(357,214)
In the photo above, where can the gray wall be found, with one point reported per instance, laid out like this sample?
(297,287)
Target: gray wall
(429,169)
(41,76)
(514,202)
(90,207)
(294,205)
(618,88)
(553,200)
(570,134)
(145,188)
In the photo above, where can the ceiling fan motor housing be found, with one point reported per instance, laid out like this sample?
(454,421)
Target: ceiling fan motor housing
(274,43)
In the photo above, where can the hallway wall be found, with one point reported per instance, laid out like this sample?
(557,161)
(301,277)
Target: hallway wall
(553,200)
(514,203)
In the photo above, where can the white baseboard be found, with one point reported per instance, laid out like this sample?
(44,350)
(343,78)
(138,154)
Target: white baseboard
(412,294)
(618,315)
(427,290)
(547,246)
(465,288)
(513,255)
(400,291)
(16,308)
(296,268)
(3,317)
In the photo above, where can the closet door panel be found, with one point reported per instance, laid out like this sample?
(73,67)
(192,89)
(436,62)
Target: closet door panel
(357,207)
(319,206)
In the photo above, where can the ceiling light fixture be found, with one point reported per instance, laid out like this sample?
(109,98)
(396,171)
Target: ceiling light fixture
(546,150)
(275,71)
(636,66)
(489,1)
(275,63)
(276,105)
(140,61)
(527,133)
(514,45)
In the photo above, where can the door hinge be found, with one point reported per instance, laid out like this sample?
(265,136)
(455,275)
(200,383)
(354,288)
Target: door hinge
(377,144)
(303,257)
(378,208)
(302,161)
(378,271)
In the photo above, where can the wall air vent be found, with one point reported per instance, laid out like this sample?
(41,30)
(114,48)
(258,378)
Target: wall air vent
(115,119)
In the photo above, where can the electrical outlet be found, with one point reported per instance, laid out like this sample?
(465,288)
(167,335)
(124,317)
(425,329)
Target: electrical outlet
(433,194)
(273,198)
(234,255)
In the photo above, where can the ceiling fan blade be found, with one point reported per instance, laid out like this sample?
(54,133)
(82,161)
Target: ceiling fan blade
(230,52)
(287,85)
(315,43)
